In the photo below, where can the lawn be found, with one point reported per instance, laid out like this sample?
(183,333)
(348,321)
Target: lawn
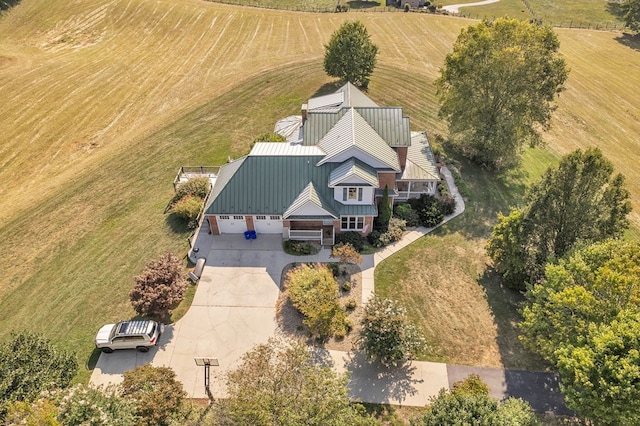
(104,101)
(443,281)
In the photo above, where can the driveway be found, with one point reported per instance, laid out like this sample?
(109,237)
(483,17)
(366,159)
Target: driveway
(232,311)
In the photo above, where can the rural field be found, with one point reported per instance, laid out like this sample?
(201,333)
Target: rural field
(103,101)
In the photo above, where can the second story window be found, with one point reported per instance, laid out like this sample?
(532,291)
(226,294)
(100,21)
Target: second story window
(351,194)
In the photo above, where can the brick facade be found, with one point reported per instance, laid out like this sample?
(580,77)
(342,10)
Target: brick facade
(249,220)
(213,225)
(402,156)
(388,179)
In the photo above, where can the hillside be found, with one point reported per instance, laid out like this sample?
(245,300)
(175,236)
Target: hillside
(103,101)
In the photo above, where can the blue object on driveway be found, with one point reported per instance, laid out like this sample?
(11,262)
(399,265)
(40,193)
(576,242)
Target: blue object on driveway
(247,235)
(253,234)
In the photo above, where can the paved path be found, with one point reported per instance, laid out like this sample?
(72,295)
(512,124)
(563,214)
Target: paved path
(233,310)
(455,8)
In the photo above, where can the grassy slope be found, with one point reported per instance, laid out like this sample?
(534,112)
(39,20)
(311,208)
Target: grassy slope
(107,100)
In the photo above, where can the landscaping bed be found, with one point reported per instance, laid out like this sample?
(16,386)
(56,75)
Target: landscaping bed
(290,319)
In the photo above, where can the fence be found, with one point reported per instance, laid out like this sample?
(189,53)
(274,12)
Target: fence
(187,172)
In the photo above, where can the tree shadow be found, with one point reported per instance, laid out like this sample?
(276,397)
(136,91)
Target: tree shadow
(630,40)
(8,4)
(372,381)
(486,193)
(360,4)
(505,305)
(328,88)
(176,224)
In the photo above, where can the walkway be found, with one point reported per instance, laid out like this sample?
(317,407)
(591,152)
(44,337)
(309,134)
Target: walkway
(455,8)
(233,310)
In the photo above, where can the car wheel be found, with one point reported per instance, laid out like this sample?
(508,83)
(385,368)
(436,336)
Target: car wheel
(107,350)
(142,349)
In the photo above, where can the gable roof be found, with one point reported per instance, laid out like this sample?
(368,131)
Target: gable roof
(352,131)
(345,97)
(421,164)
(353,168)
(269,184)
(310,197)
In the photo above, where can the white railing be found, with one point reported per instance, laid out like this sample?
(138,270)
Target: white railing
(305,235)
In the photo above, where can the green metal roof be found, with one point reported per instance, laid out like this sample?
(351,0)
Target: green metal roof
(353,167)
(352,131)
(310,195)
(388,122)
(271,184)
(420,162)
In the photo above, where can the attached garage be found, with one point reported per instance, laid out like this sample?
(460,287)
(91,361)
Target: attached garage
(231,224)
(268,224)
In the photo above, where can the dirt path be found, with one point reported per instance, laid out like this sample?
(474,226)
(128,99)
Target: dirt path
(455,8)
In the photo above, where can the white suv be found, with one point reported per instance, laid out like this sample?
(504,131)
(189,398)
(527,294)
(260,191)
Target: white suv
(138,334)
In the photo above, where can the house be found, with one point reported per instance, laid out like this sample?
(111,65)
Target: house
(330,174)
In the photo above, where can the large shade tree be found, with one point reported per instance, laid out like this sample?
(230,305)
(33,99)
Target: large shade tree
(497,88)
(350,54)
(279,383)
(631,14)
(31,364)
(580,201)
(585,319)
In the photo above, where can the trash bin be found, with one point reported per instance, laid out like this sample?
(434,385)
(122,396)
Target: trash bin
(247,235)
(253,235)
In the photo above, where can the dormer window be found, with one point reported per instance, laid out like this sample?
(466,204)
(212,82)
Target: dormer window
(351,194)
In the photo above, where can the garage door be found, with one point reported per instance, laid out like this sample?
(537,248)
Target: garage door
(231,224)
(268,224)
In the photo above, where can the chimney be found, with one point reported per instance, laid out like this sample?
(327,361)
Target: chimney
(304,113)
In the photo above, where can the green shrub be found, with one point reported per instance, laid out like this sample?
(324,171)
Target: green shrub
(351,304)
(187,209)
(314,292)
(269,137)
(196,187)
(394,233)
(443,189)
(299,248)
(346,286)
(447,204)
(429,210)
(405,212)
(334,268)
(356,239)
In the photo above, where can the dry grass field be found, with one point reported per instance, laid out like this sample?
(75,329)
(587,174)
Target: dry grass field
(102,102)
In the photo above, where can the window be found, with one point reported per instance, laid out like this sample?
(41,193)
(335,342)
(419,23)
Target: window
(274,217)
(238,217)
(352,194)
(261,218)
(352,223)
(224,217)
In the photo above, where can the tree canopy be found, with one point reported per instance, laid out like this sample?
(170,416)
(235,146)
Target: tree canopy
(278,383)
(580,201)
(30,364)
(585,319)
(386,334)
(350,54)
(469,403)
(631,11)
(497,88)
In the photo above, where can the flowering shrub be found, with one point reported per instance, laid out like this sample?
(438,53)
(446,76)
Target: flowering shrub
(386,335)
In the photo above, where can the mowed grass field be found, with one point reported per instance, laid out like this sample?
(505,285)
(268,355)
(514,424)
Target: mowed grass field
(102,102)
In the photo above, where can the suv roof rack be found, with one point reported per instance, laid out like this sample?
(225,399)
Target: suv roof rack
(132,327)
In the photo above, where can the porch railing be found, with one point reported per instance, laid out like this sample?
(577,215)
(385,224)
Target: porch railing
(305,235)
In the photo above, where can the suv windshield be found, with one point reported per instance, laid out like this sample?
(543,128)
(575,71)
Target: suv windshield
(152,332)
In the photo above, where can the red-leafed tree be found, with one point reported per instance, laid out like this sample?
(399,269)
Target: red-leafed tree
(160,287)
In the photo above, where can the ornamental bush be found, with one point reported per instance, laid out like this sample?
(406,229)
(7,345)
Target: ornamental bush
(196,187)
(386,334)
(160,287)
(313,291)
(187,209)
(405,212)
(356,239)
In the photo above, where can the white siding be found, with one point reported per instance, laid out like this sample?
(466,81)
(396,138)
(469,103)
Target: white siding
(367,195)
(231,224)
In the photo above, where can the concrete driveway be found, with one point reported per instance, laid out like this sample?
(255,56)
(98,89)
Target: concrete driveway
(233,310)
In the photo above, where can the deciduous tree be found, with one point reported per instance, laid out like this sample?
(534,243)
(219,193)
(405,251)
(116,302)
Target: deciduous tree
(30,364)
(314,292)
(631,10)
(497,88)
(350,54)
(158,396)
(346,254)
(160,287)
(600,377)
(577,202)
(279,383)
(386,333)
